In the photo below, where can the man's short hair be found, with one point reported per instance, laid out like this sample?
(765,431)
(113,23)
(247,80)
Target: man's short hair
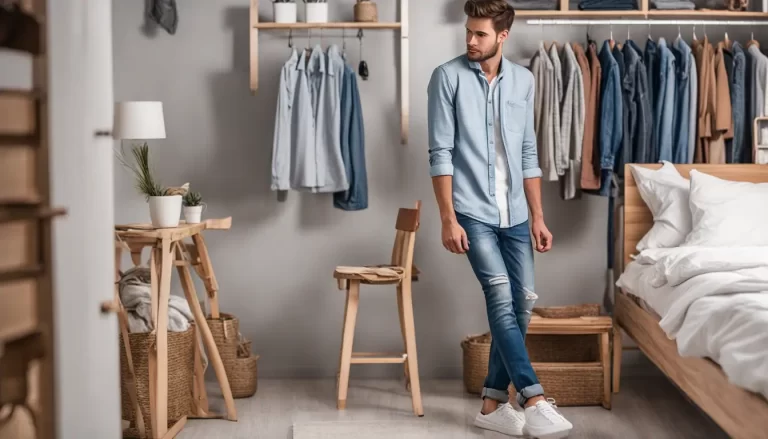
(499,11)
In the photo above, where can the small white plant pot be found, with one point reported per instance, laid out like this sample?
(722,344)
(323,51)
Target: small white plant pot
(284,12)
(165,212)
(316,12)
(192,214)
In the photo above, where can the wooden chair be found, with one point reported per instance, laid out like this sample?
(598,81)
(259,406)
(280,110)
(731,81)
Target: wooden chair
(400,273)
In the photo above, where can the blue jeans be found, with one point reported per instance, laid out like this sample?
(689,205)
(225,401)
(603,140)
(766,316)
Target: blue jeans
(502,260)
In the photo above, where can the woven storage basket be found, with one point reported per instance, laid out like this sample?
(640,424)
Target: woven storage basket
(477,350)
(570,385)
(242,376)
(180,372)
(366,11)
(244,349)
(224,331)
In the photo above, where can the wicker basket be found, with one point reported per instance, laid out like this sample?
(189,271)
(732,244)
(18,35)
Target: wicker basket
(244,349)
(569,384)
(477,350)
(366,11)
(225,331)
(242,375)
(180,372)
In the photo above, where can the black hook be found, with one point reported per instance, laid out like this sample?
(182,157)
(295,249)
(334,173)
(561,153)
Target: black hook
(290,39)
(362,68)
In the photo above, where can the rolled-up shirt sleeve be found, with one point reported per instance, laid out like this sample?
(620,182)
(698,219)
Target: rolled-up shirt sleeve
(530,163)
(441,125)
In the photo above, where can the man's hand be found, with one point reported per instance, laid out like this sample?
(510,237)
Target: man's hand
(455,238)
(541,235)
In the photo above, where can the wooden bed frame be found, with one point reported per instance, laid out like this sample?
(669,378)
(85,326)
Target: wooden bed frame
(740,413)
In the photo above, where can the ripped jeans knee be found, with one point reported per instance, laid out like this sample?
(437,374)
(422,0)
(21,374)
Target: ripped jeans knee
(524,304)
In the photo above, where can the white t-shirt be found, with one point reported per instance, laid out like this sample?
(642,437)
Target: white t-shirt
(502,166)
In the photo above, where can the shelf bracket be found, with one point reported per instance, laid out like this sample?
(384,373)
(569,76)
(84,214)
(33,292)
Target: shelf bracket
(253,50)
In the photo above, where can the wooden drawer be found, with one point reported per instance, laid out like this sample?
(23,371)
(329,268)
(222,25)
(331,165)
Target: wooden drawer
(18,305)
(17,113)
(19,241)
(18,174)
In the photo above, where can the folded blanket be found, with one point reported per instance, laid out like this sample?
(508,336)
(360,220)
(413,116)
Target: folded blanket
(135,291)
(373,273)
(673,4)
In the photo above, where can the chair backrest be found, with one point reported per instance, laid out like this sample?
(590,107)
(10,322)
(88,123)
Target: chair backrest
(405,238)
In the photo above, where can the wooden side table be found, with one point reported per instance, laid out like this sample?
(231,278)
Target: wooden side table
(603,328)
(168,249)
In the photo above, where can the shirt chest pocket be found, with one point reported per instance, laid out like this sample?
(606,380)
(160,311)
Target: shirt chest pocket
(514,116)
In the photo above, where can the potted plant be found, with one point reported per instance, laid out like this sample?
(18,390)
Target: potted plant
(284,11)
(316,11)
(164,203)
(193,207)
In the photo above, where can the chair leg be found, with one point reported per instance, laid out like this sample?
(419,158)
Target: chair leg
(410,346)
(402,331)
(350,316)
(617,351)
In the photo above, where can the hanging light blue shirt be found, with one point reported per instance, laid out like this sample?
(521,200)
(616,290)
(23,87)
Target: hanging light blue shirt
(461,135)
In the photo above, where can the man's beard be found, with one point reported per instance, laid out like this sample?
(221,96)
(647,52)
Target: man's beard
(482,56)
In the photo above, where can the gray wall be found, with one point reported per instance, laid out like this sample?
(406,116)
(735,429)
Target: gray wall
(275,265)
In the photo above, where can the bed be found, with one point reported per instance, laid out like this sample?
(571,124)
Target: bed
(741,413)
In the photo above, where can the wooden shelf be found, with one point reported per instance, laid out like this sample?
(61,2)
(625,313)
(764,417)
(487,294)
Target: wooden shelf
(30,213)
(400,26)
(15,274)
(653,13)
(337,25)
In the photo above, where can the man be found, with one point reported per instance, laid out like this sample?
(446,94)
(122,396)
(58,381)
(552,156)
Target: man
(484,165)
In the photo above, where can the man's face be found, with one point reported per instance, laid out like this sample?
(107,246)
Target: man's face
(482,40)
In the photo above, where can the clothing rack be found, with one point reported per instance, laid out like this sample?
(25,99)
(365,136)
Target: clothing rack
(401,26)
(650,22)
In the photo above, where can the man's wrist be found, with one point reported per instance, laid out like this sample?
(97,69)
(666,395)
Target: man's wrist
(537,216)
(449,219)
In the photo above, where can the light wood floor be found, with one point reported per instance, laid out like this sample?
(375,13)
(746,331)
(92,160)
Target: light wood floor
(645,408)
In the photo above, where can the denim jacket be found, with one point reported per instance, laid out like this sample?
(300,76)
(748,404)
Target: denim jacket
(611,117)
(461,135)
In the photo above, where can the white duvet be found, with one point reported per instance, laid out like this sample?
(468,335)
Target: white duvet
(713,302)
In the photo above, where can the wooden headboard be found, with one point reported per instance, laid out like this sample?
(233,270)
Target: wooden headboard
(637,217)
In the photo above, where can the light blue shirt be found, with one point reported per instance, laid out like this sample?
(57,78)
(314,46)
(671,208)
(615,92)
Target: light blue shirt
(306,153)
(461,136)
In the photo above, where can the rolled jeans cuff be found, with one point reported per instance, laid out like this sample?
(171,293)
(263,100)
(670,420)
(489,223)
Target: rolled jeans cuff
(528,393)
(495,394)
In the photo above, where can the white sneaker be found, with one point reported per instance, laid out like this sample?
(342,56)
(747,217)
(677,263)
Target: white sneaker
(505,419)
(543,421)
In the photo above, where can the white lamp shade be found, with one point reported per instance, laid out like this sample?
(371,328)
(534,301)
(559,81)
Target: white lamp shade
(139,120)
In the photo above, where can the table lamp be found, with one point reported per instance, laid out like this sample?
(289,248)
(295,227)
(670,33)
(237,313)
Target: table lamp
(139,120)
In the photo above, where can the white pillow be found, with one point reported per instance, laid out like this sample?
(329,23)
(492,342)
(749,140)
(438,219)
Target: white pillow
(665,192)
(727,213)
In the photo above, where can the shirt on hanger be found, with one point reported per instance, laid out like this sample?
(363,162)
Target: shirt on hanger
(562,122)
(590,153)
(352,146)
(310,150)
(547,129)
(665,104)
(574,105)
(738,105)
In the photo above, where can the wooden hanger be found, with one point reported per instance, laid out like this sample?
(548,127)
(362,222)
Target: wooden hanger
(611,42)
(752,41)
(727,43)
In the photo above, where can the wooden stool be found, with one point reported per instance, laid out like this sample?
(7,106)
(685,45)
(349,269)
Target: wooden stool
(399,273)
